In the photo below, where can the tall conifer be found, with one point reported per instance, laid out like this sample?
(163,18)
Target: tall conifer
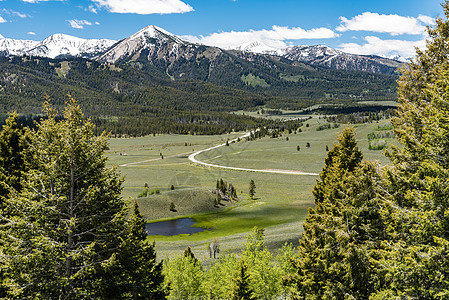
(419,178)
(340,233)
(68,224)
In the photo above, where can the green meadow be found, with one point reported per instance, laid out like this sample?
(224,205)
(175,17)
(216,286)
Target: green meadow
(281,200)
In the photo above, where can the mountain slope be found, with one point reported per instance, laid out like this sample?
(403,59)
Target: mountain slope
(157,44)
(153,49)
(56,46)
(10,47)
(155,59)
(323,56)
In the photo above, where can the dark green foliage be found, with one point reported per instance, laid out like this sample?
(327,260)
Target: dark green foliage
(131,100)
(344,229)
(224,191)
(12,160)
(67,228)
(361,115)
(241,288)
(188,253)
(133,273)
(252,189)
(418,180)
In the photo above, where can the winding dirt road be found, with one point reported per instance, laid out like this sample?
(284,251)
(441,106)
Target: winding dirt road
(276,171)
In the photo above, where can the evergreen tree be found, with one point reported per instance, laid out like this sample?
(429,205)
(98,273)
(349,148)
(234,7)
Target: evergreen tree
(344,229)
(188,253)
(252,189)
(68,222)
(12,167)
(133,272)
(12,160)
(241,284)
(419,178)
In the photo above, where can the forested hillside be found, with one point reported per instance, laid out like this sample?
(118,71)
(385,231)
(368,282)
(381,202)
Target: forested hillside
(130,100)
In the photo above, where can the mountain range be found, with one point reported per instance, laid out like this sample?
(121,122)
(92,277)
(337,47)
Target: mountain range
(155,75)
(159,44)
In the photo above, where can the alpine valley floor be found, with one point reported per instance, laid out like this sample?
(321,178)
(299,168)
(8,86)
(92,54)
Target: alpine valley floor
(281,200)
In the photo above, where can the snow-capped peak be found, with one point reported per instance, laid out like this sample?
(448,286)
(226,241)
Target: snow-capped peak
(56,45)
(154,32)
(397,57)
(66,45)
(15,47)
(257,47)
(147,38)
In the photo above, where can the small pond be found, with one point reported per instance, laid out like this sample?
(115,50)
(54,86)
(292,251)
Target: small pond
(173,227)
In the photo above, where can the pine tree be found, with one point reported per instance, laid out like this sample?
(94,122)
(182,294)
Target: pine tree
(12,160)
(69,218)
(419,178)
(12,168)
(133,272)
(252,189)
(188,253)
(241,284)
(344,229)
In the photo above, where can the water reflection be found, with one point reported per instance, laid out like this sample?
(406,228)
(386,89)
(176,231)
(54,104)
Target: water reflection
(173,227)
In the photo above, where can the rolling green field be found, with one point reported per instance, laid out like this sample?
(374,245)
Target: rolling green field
(282,200)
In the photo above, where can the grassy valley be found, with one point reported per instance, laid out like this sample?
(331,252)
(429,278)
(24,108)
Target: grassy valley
(281,200)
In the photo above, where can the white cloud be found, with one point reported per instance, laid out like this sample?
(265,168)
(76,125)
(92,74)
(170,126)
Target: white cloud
(92,9)
(386,48)
(31,33)
(392,24)
(2,20)
(79,24)
(145,7)
(426,20)
(14,13)
(1,37)
(276,37)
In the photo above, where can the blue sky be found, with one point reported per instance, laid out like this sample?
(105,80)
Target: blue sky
(382,27)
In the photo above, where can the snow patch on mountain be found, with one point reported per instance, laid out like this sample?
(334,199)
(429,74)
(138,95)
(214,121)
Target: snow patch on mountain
(57,45)
(149,37)
(258,47)
(15,47)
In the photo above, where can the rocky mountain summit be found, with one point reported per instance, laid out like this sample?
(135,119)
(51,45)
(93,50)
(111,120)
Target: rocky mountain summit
(165,50)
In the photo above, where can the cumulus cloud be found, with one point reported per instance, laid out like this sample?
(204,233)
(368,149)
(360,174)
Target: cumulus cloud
(386,48)
(277,37)
(31,33)
(145,7)
(79,24)
(426,20)
(392,24)
(2,20)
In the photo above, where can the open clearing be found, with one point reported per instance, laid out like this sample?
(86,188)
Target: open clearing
(282,199)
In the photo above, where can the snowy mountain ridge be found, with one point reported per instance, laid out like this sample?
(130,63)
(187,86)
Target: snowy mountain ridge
(56,46)
(154,43)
